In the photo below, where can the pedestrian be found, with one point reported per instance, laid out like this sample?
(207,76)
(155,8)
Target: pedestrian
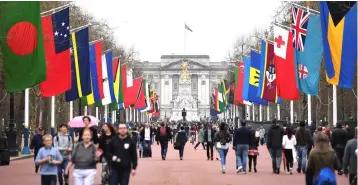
(274,145)
(209,134)
(163,137)
(36,144)
(339,139)
(123,154)
(222,138)
(146,134)
(48,157)
(94,135)
(180,139)
(322,162)
(253,150)
(200,138)
(262,133)
(303,138)
(242,141)
(64,143)
(108,133)
(84,159)
(137,139)
(288,144)
(350,160)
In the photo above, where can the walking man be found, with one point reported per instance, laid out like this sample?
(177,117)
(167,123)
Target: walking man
(64,143)
(242,141)
(164,134)
(340,137)
(209,135)
(274,145)
(303,138)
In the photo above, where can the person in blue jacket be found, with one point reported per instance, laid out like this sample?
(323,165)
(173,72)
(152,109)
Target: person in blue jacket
(36,144)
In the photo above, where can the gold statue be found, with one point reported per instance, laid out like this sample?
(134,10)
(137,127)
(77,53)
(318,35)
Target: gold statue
(184,71)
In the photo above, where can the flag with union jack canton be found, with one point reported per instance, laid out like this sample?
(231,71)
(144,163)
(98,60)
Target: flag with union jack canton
(299,27)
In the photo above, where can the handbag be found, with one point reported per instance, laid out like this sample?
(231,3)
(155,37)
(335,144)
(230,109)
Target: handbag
(176,146)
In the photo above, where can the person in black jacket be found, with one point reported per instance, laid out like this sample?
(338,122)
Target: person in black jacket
(163,136)
(339,139)
(180,139)
(241,143)
(87,121)
(36,144)
(108,133)
(123,154)
(146,135)
(274,145)
(304,140)
(209,135)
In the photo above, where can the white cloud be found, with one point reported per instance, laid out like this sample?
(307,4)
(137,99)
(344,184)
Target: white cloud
(156,27)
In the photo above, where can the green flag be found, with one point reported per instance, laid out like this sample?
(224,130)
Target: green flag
(22,44)
(221,99)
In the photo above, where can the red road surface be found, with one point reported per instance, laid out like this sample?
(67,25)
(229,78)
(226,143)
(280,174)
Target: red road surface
(193,170)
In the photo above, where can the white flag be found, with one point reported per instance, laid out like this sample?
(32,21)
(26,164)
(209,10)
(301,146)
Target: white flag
(280,41)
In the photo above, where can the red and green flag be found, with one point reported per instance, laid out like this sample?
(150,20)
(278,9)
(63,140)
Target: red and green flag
(22,45)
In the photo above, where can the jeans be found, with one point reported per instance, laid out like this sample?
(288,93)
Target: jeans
(120,176)
(197,144)
(84,177)
(210,146)
(181,150)
(276,156)
(61,167)
(223,153)
(164,148)
(48,179)
(262,141)
(105,171)
(301,154)
(241,155)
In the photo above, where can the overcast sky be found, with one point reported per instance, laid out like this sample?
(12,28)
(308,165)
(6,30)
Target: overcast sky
(156,27)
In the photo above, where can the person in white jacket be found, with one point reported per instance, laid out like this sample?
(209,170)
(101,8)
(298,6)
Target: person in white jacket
(288,144)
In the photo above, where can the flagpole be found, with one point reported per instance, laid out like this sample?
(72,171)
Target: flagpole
(291,112)
(97,112)
(105,114)
(260,110)
(130,114)
(268,112)
(184,39)
(253,112)
(113,117)
(26,149)
(85,111)
(247,112)
(71,110)
(309,114)
(52,115)
(334,105)
(278,112)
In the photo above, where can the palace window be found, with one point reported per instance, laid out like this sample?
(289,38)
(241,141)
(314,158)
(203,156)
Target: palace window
(203,82)
(166,82)
(175,86)
(194,85)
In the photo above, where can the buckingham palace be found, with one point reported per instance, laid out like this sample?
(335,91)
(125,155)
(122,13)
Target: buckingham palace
(184,81)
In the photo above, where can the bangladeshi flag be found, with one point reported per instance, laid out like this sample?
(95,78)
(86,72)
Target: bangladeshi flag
(23,49)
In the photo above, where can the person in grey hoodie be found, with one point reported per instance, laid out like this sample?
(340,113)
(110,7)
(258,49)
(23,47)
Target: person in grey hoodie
(64,143)
(350,159)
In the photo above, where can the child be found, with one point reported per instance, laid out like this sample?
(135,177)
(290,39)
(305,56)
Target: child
(253,153)
(48,158)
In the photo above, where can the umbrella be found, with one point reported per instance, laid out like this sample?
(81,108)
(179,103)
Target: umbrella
(78,123)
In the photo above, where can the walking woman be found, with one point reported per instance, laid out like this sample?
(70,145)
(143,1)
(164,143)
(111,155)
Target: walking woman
(84,159)
(288,144)
(108,133)
(253,150)
(321,158)
(200,138)
(180,140)
(223,138)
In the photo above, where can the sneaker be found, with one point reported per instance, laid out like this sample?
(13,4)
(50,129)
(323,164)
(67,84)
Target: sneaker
(290,171)
(250,170)
(255,170)
(298,170)
(223,169)
(212,158)
(239,169)
(181,158)
(244,173)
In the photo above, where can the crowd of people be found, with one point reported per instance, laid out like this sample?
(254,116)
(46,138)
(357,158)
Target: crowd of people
(318,152)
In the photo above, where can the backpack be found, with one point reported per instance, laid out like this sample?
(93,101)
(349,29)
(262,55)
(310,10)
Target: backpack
(326,175)
(163,131)
(57,139)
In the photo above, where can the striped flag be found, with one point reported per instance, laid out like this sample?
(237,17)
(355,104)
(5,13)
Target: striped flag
(95,52)
(81,77)
(107,71)
(116,84)
(140,100)
(146,95)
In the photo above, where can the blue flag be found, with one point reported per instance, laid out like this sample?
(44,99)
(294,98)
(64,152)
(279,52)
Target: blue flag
(81,76)
(308,61)
(252,78)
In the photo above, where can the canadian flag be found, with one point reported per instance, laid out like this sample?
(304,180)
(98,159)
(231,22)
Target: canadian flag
(285,64)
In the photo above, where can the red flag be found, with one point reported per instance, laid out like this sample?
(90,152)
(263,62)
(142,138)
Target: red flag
(98,50)
(115,64)
(285,65)
(239,83)
(140,100)
(56,36)
(130,87)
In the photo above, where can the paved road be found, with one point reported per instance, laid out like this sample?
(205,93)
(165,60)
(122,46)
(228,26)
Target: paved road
(193,170)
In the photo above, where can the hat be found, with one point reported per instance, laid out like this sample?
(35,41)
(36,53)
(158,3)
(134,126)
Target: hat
(40,128)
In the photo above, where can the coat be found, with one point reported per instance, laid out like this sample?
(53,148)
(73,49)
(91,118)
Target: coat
(201,136)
